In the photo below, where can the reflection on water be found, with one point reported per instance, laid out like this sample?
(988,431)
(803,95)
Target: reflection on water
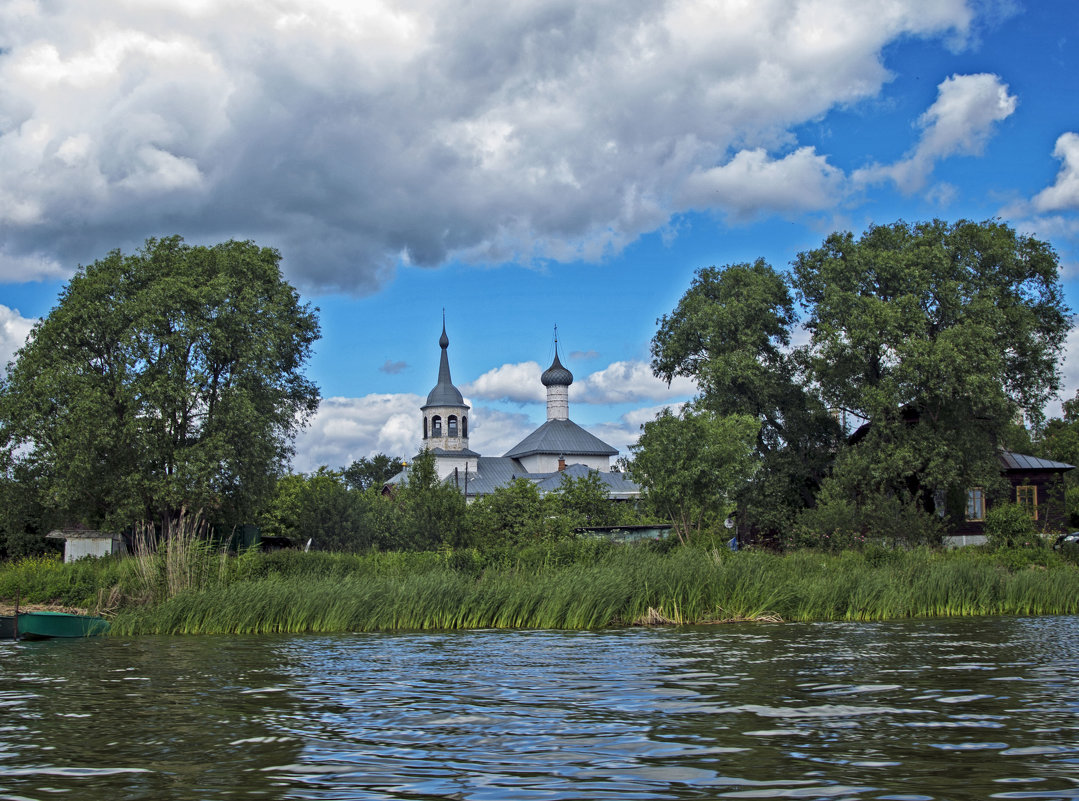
(976,708)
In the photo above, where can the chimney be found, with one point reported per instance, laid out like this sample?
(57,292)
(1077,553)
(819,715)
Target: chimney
(561,463)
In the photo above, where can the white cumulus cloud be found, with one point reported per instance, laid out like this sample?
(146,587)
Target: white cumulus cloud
(960,122)
(14,329)
(1064,193)
(517,383)
(629,382)
(353,136)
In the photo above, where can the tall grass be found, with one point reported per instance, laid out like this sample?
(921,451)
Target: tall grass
(564,586)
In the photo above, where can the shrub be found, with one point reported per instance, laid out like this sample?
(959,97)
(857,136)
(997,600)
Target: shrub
(1009,525)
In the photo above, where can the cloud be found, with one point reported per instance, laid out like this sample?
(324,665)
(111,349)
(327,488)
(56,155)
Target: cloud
(751,184)
(624,433)
(14,329)
(393,368)
(517,383)
(493,432)
(346,429)
(1069,383)
(1064,193)
(629,382)
(358,136)
(959,122)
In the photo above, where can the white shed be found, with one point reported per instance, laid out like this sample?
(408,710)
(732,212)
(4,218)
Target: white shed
(86,542)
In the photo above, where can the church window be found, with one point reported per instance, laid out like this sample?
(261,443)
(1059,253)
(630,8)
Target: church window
(451,425)
(464,426)
(436,426)
(425,428)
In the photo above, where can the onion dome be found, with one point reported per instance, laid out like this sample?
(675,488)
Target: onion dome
(556,375)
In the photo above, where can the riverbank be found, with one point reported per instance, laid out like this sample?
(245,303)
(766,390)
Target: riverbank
(566,585)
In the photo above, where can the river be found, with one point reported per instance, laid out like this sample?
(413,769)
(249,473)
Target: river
(944,709)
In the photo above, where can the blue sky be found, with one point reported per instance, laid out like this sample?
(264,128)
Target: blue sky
(523,166)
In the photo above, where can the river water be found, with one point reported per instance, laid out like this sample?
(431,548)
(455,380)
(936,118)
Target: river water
(944,709)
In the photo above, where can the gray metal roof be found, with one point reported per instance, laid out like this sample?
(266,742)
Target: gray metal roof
(444,393)
(1020,461)
(617,484)
(561,438)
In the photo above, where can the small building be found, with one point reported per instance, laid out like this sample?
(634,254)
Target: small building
(1034,483)
(80,543)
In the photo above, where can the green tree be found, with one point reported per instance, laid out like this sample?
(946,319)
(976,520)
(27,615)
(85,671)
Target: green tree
(427,512)
(165,380)
(322,508)
(516,514)
(372,472)
(692,464)
(584,501)
(731,333)
(937,334)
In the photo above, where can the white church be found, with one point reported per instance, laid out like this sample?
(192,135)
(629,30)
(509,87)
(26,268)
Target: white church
(558,447)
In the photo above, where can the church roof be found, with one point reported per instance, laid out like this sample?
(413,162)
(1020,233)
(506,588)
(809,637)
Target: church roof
(618,485)
(444,393)
(561,438)
(556,374)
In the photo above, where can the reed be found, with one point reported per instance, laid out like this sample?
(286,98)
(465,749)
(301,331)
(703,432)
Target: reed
(557,588)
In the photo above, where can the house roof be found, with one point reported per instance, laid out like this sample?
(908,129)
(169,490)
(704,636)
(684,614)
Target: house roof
(1020,461)
(561,438)
(80,534)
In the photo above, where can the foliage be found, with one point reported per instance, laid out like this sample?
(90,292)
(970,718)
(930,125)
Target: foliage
(163,380)
(691,464)
(426,512)
(935,334)
(731,333)
(321,507)
(516,514)
(569,585)
(939,334)
(1009,525)
(372,472)
(584,501)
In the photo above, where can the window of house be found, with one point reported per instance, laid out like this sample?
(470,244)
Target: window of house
(451,424)
(976,504)
(1027,497)
(436,426)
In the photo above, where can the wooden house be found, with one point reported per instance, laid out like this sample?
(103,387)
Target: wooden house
(1037,484)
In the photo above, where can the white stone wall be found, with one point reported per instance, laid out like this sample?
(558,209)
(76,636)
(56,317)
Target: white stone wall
(557,402)
(545,463)
(444,466)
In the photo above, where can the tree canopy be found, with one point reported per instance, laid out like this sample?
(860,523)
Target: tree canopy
(166,379)
(931,336)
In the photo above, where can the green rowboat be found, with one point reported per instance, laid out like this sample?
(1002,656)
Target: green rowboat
(44,625)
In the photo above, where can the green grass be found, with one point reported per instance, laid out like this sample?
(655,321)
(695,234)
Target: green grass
(569,585)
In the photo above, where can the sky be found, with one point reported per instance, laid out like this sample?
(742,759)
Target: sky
(517,167)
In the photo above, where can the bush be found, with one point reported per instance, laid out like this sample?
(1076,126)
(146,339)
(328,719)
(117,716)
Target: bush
(1009,525)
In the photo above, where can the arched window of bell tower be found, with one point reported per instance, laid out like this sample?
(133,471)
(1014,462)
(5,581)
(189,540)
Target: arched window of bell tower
(451,425)
(436,426)
(464,426)
(425,428)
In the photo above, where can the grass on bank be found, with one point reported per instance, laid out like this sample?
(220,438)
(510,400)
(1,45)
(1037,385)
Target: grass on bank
(574,585)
